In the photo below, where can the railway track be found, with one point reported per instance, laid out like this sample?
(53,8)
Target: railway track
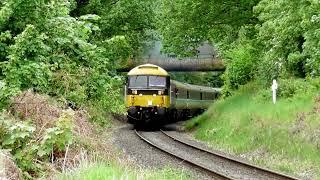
(218,165)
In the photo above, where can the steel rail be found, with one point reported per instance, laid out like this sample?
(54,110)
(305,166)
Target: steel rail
(217,174)
(231,159)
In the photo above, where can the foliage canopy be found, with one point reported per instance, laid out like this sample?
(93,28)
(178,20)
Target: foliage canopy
(67,48)
(258,39)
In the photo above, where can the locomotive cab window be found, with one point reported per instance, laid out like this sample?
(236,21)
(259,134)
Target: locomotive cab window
(147,82)
(157,81)
(138,82)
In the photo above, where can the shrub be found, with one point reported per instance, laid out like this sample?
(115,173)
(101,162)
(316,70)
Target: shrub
(6,92)
(28,146)
(239,66)
(288,88)
(241,59)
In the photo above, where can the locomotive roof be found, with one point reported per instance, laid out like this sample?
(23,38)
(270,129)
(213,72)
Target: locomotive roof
(148,69)
(195,87)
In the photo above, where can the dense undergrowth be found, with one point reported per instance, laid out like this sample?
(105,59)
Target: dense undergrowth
(44,135)
(284,136)
(47,139)
(65,52)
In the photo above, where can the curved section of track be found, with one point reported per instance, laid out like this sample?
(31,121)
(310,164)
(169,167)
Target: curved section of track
(219,165)
(157,146)
(233,160)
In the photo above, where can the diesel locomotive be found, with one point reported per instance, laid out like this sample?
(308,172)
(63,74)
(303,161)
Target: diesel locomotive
(152,98)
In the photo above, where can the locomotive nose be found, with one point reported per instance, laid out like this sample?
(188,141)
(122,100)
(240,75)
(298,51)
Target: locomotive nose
(148,100)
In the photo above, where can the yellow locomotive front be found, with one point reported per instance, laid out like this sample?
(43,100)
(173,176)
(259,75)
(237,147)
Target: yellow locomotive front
(147,94)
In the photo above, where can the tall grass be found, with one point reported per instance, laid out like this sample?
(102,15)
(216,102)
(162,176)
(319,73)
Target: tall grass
(105,171)
(284,136)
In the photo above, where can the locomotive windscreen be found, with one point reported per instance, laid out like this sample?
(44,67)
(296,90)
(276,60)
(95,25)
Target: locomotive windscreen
(157,81)
(138,82)
(147,82)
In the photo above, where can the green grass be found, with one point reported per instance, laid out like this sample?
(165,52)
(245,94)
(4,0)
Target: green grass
(284,136)
(103,171)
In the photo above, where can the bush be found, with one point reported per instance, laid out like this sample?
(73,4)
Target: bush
(28,146)
(6,92)
(288,88)
(241,61)
(239,66)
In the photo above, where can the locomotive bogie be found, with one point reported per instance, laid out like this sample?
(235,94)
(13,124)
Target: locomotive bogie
(146,115)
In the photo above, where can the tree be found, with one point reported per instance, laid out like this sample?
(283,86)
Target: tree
(185,24)
(54,53)
(125,25)
(288,32)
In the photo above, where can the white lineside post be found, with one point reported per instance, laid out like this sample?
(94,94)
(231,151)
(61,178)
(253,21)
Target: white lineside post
(274,88)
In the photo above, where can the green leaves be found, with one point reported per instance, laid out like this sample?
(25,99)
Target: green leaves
(57,137)
(280,31)
(48,41)
(44,48)
(186,24)
(131,19)
(18,133)
(289,33)
(35,12)
(29,146)
(241,65)
(259,39)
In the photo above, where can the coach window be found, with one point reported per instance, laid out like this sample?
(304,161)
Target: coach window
(188,95)
(215,95)
(201,96)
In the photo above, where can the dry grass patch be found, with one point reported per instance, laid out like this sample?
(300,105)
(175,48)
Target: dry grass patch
(44,113)
(8,169)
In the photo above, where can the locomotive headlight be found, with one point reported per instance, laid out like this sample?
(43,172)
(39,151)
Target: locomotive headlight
(160,92)
(134,92)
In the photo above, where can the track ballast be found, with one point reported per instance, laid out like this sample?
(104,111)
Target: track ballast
(219,165)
